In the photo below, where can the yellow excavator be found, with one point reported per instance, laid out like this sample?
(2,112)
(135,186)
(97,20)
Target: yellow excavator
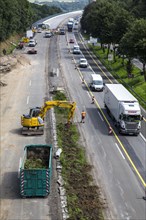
(33,123)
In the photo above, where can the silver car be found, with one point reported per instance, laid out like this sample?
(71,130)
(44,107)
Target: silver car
(83,63)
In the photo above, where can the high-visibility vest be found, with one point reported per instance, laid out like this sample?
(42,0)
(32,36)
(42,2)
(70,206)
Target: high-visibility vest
(83,114)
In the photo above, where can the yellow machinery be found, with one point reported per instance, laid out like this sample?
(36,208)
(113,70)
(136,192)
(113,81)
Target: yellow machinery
(33,123)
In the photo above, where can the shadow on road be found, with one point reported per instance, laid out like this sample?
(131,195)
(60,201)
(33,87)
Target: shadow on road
(10,186)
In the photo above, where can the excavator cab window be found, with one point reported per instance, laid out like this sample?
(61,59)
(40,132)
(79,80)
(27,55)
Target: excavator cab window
(34,112)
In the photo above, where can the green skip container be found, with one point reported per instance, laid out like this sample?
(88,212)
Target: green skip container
(35,171)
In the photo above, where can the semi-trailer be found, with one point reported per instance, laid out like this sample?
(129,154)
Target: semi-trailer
(123,107)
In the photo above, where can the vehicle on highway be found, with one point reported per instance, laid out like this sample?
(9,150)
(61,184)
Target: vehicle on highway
(48,34)
(39,30)
(123,107)
(83,63)
(62,31)
(96,83)
(70,26)
(71,41)
(32,51)
(76,49)
(32,43)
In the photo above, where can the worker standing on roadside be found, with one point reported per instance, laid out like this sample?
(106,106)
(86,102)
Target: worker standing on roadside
(83,115)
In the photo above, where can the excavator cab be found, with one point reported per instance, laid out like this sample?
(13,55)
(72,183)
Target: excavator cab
(34,112)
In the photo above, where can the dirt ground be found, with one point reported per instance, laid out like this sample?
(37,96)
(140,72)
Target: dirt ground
(10,67)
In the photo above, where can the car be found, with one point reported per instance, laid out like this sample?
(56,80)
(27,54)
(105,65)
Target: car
(32,43)
(39,30)
(62,31)
(48,34)
(71,41)
(83,63)
(32,51)
(76,49)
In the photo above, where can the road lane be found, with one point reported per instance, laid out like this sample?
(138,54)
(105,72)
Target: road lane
(124,190)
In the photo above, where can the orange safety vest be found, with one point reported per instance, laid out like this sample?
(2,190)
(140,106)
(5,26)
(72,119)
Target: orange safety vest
(83,114)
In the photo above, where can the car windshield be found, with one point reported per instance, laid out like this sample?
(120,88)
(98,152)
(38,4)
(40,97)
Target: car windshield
(97,82)
(131,118)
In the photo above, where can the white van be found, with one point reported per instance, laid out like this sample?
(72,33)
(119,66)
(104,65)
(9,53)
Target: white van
(96,82)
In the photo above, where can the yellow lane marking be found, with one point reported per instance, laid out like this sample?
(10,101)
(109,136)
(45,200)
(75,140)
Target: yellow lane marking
(99,66)
(123,148)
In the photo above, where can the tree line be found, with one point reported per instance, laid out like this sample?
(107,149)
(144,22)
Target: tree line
(118,22)
(17,15)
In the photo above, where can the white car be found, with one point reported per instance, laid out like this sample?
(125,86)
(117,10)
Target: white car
(83,63)
(48,34)
(76,49)
(32,43)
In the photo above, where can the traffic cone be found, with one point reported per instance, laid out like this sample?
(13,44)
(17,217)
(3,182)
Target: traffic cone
(93,100)
(144,197)
(110,130)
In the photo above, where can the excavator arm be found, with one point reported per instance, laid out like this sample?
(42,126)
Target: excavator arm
(61,104)
(33,123)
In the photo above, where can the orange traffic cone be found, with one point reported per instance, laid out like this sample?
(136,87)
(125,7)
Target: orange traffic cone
(110,130)
(93,100)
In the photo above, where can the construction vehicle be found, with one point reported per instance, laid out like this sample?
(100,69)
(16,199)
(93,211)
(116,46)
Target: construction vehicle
(35,170)
(33,123)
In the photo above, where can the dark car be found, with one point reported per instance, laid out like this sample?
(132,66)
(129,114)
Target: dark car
(32,51)
(71,41)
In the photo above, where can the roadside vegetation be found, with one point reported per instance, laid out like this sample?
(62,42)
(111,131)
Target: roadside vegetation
(83,196)
(120,25)
(134,82)
(16,16)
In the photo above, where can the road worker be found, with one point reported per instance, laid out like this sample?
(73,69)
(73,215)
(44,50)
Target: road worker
(83,115)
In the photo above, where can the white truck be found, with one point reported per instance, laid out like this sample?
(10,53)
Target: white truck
(123,107)
(29,34)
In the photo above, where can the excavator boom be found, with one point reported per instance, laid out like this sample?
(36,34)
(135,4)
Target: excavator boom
(34,122)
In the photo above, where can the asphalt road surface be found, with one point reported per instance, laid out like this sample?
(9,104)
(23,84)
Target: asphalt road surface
(119,162)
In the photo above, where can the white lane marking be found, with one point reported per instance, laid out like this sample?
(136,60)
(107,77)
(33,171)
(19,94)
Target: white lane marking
(89,94)
(143,137)
(27,100)
(30,83)
(100,116)
(120,151)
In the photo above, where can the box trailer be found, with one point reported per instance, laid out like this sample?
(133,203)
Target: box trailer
(123,107)
(35,171)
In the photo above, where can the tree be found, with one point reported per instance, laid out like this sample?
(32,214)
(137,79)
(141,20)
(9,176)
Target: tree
(133,43)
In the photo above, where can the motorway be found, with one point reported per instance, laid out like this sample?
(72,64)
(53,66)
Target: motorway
(119,162)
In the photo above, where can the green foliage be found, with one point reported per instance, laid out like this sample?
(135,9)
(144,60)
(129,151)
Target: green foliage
(83,198)
(18,15)
(118,70)
(34,164)
(43,11)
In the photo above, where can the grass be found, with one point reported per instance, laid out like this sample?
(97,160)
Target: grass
(136,85)
(83,197)
(8,46)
